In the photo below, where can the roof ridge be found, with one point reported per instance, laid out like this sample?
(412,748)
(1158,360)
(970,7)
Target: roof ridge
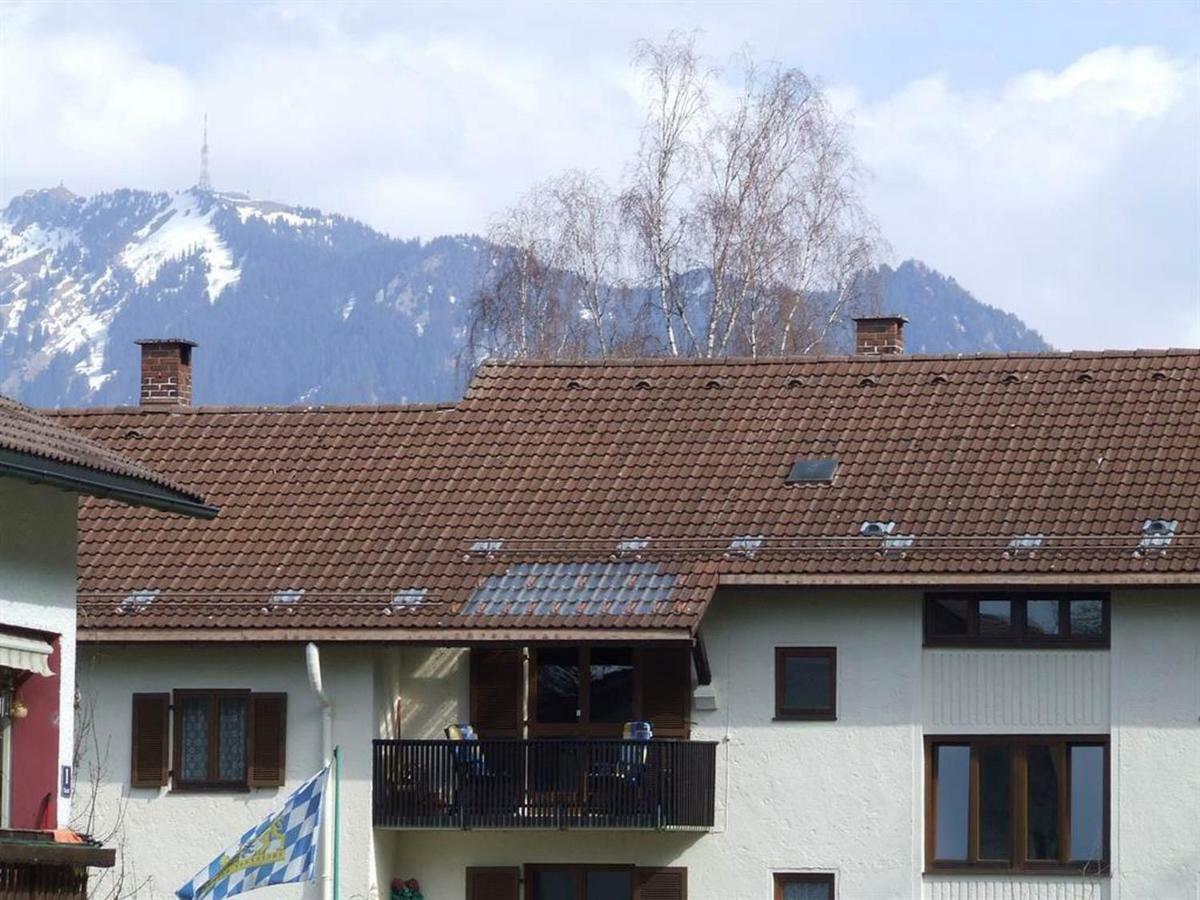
(247,409)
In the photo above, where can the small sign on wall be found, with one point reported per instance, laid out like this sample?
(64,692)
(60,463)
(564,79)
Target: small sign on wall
(67,781)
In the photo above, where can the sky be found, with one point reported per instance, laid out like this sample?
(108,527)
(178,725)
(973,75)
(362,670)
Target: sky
(1045,155)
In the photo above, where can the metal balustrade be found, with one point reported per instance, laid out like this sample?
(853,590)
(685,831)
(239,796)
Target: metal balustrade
(546,784)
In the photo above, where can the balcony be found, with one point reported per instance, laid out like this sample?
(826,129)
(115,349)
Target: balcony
(544,784)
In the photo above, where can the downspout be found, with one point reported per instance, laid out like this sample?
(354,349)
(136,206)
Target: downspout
(313,658)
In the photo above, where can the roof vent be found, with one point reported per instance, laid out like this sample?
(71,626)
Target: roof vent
(632,545)
(574,384)
(812,471)
(795,382)
(137,600)
(408,597)
(487,545)
(287,597)
(714,383)
(1159,375)
(876,529)
(746,545)
(939,379)
(1085,378)
(1011,378)
(1027,542)
(642,384)
(1157,533)
(868,381)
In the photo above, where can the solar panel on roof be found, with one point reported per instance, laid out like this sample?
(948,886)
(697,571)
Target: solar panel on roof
(574,588)
(812,471)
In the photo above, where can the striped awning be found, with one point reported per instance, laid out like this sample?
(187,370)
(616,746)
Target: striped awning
(25,653)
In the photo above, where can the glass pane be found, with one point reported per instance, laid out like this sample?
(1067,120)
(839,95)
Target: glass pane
(949,617)
(612,685)
(609,886)
(558,686)
(953,765)
(557,885)
(194,739)
(1087,803)
(995,806)
(231,750)
(1041,617)
(1087,618)
(807,890)
(995,618)
(808,683)
(1043,803)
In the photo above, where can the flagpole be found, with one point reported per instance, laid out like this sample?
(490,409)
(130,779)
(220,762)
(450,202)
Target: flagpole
(337,822)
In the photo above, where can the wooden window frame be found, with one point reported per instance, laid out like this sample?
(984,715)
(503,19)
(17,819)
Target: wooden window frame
(214,696)
(1018,786)
(580,870)
(585,727)
(785,713)
(1018,637)
(783,879)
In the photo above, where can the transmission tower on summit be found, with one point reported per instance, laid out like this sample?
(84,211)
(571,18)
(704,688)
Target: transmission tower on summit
(205,183)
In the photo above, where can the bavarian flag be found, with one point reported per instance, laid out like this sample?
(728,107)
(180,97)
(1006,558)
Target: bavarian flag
(282,848)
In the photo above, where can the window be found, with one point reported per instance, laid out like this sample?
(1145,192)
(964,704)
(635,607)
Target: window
(806,683)
(1032,803)
(593,882)
(795,886)
(1017,620)
(206,740)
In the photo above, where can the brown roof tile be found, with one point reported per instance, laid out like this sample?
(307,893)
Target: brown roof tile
(561,461)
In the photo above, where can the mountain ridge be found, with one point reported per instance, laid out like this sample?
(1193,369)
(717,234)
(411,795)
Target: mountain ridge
(294,305)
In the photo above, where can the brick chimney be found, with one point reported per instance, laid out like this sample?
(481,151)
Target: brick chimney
(166,372)
(879,335)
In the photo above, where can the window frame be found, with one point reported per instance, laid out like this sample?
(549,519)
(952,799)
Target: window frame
(211,783)
(1018,863)
(1018,637)
(584,727)
(783,879)
(785,713)
(580,870)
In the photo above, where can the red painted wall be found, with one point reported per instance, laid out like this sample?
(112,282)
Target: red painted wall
(34,779)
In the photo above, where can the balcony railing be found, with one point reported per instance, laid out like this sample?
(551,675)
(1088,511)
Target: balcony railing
(559,784)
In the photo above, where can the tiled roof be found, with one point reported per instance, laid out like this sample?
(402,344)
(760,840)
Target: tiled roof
(677,465)
(32,439)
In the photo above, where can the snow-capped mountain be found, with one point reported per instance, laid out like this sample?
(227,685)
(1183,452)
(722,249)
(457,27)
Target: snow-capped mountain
(289,304)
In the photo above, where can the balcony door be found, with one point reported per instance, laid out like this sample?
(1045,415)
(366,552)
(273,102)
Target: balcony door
(581,691)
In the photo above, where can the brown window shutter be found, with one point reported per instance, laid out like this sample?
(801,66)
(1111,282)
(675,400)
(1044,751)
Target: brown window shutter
(666,674)
(497,682)
(151,721)
(268,739)
(660,884)
(493,883)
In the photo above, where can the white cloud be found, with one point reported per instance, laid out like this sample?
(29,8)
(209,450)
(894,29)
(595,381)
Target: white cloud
(1068,197)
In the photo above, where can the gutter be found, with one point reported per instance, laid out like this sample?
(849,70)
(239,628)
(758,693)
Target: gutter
(81,479)
(312,658)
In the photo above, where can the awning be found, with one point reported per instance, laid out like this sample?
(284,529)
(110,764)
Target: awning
(27,654)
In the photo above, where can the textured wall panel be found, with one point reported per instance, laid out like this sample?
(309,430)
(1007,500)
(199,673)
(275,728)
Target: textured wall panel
(1014,888)
(1016,690)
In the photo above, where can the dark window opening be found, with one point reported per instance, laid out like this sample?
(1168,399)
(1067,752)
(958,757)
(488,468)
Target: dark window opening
(1017,620)
(611,685)
(1049,795)
(558,686)
(806,682)
(212,738)
(803,886)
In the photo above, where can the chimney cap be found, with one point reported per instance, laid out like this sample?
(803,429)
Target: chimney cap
(149,342)
(901,320)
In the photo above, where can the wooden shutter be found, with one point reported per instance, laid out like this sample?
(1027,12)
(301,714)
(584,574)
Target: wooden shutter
(493,883)
(660,884)
(151,722)
(268,739)
(666,676)
(497,683)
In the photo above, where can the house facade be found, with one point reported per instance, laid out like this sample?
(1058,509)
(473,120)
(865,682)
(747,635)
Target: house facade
(44,468)
(904,627)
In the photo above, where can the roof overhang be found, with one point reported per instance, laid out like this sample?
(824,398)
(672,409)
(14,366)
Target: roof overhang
(48,848)
(968,580)
(84,480)
(441,636)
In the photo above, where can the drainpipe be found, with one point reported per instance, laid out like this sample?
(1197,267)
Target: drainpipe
(313,657)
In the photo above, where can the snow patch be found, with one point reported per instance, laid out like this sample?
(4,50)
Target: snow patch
(180,230)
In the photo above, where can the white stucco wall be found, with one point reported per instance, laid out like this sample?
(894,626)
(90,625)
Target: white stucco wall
(165,836)
(37,585)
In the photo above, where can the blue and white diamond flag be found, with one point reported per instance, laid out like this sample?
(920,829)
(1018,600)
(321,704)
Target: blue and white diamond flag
(281,849)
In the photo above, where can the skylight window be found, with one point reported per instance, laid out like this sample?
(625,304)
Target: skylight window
(812,471)
(1157,533)
(287,597)
(487,545)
